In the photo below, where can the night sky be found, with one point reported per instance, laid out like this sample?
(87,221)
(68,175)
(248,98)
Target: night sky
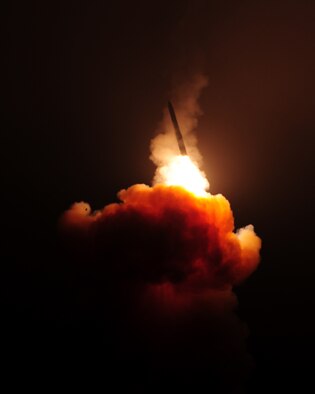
(84,87)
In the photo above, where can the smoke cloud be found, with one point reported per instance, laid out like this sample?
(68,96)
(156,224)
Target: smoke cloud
(164,262)
(165,234)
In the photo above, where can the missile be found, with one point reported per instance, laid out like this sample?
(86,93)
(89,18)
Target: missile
(179,136)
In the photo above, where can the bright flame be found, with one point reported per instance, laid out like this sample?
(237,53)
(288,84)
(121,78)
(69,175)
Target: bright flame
(182,171)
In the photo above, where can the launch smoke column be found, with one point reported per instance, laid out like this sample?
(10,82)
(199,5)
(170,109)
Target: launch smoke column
(179,136)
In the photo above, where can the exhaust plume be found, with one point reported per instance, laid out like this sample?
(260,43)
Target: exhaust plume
(165,260)
(165,234)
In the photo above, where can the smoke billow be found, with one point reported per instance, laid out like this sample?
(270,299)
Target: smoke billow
(166,261)
(165,234)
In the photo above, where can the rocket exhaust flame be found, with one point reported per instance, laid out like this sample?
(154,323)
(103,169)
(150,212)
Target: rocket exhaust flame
(181,171)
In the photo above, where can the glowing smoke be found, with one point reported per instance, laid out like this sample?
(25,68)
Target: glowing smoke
(165,234)
(167,257)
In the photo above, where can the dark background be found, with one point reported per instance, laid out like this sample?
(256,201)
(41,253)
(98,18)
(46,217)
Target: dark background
(84,85)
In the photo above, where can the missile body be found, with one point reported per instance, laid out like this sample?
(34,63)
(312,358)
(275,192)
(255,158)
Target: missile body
(179,136)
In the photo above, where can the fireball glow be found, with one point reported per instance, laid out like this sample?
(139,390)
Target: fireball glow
(182,171)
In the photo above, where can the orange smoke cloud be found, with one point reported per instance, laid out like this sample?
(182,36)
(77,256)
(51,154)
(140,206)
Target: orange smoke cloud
(164,260)
(174,238)
(167,235)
